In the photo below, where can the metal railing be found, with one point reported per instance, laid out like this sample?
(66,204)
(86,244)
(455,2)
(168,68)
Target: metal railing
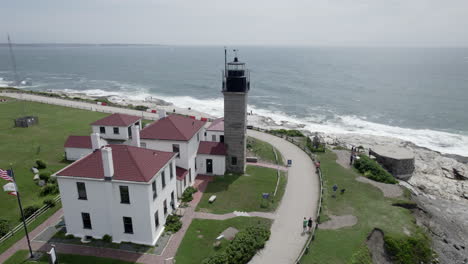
(313,157)
(30,219)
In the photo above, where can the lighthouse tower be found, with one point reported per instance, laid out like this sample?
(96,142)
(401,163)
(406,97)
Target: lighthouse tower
(236,85)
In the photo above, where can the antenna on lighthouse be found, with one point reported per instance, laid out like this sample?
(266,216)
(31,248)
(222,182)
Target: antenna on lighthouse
(13,62)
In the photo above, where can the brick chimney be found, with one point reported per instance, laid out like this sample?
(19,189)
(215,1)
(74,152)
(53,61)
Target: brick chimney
(136,136)
(107,163)
(95,141)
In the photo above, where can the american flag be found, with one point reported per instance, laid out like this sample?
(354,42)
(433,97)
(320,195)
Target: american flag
(6,175)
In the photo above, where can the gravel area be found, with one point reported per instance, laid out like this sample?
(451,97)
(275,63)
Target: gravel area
(337,222)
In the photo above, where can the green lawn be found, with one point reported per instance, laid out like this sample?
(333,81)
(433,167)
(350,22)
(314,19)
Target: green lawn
(243,193)
(22,146)
(201,234)
(264,151)
(22,255)
(364,201)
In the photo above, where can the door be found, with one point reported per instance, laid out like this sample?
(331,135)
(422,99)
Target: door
(221,138)
(209,166)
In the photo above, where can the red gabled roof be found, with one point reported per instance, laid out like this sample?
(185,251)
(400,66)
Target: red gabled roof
(130,164)
(181,172)
(212,148)
(117,120)
(173,127)
(217,125)
(78,142)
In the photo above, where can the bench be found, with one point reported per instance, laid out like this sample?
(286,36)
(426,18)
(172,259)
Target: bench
(212,198)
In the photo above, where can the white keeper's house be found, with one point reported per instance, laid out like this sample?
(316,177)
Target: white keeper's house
(125,181)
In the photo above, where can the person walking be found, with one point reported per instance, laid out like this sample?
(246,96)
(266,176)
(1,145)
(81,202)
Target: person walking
(304,225)
(309,224)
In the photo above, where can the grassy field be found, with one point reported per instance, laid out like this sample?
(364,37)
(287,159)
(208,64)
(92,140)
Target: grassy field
(364,201)
(201,234)
(22,255)
(263,150)
(243,193)
(22,146)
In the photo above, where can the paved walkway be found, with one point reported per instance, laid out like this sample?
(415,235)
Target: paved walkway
(202,215)
(300,200)
(268,165)
(169,252)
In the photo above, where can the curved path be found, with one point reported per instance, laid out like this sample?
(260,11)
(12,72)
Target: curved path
(300,200)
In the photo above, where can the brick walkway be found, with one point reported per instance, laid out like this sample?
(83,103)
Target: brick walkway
(268,165)
(169,252)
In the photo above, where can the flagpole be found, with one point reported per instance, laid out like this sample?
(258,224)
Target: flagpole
(22,214)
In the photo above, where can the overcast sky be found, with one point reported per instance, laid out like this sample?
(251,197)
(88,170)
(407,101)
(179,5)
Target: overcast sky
(248,22)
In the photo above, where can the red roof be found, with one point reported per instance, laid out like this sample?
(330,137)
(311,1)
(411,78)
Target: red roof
(78,142)
(130,164)
(181,172)
(217,125)
(212,148)
(117,120)
(172,127)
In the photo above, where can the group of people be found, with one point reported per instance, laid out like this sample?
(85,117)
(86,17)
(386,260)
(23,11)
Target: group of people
(307,225)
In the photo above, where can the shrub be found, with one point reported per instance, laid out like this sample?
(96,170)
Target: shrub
(49,202)
(107,238)
(45,176)
(173,223)
(372,170)
(29,210)
(141,108)
(361,256)
(52,180)
(187,196)
(243,247)
(4,227)
(49,189)
(315,146)
(41,164)
(69,236)
(265,203)
(409,250)
(286,132)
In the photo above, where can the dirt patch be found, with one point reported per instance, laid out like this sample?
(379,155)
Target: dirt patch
(375,243)
(337,222)
(389,190)
(343,158)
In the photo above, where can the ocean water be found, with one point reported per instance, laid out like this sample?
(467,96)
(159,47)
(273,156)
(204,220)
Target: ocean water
(416,94)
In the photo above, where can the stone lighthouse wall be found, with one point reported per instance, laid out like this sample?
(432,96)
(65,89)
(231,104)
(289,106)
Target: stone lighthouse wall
(235,124)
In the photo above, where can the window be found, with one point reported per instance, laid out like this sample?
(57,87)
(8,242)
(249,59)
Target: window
(198,136)
(233,160)
(195,161)
(128,226)
(171,174)
(142,145)
(124,195)
(165,207)
(185,181)
(163,179)
(172,201)
(155,194)
(86,220)
(205,134)
(129,132)
(102,130)
(81,191)
(156,219)
(137,123)
(190,175)
(116,130)
(176,149)
(213,138)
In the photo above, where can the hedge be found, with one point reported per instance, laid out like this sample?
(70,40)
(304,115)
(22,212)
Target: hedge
(242,248)
(372,170)
(289,133)
(29,210)
(187,195)
(173,223)
(41,164)
(4,227)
